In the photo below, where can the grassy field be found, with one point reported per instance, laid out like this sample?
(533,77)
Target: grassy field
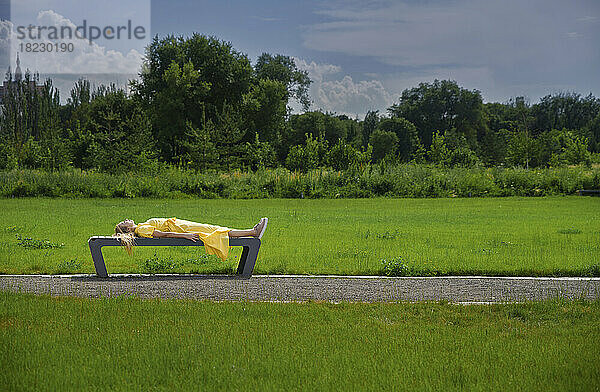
(506,236)
(111,344)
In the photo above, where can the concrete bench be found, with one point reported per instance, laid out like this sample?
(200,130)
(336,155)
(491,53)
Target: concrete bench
(245,268)
(589,192)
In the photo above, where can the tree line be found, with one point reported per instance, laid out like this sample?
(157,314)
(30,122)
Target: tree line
(201,104)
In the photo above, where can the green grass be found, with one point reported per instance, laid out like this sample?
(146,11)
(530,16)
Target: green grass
(65,343)
(490,236)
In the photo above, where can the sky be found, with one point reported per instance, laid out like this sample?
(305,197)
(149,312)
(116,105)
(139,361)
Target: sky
(360,55)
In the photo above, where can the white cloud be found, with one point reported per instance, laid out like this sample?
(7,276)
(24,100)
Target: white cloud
(341,94)
(587,18)
(85,58)
(267,19)
(5,32)
(317,72)
(352,98)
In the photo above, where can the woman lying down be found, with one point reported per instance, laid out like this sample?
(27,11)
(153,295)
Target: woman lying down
(215,238)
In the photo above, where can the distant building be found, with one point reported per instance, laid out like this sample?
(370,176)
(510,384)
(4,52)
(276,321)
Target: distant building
(17,77)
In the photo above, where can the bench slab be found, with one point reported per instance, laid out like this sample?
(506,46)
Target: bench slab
(591,192)
(245,268)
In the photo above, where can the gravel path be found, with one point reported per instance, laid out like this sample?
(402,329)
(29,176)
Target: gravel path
(458,289)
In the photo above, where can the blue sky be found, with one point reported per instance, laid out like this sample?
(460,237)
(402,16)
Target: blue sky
(362,54)
(366,52)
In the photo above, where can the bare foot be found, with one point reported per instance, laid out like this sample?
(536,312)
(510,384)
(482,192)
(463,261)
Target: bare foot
(261,227)
(256,229)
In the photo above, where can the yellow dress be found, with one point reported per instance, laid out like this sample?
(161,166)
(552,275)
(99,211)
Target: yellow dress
(215,238)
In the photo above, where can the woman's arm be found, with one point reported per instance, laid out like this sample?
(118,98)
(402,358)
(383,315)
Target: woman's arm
(168,234)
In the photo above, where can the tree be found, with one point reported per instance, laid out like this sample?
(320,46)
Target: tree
(264,108)
(318,124)
(312,123)
(283,69)
(30,127)
(442,105)
(353,130)
(575,149)
(342,156)
(492,147)
(335,129)
(229,136)
(52,136)
(522,149)
(563,147)
(451,149)
(308,156)
(198,148)
(81,93)
(7,158)
(438,152)
(514,115)
(259,154)
(565,110)
(504,119)
(370,123)
(384,143)
(118,134)
(173,106)
(408,141)
(592,132)
(195,79)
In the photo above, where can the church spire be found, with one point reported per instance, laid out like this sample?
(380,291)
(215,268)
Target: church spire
(18,74)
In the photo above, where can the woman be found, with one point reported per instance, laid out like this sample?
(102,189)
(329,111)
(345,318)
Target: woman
(215,238)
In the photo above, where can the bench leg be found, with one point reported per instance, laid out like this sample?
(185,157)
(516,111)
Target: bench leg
(243,259)
(248,260)
(98,260)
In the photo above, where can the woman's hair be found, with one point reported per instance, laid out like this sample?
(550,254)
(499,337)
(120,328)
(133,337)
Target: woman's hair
(126,237)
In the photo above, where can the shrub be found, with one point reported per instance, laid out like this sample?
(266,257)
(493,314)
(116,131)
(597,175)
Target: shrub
(342,156)
(463,156)
(394,267)
(407,137)
(7,157)
(32,243)
(259,154)
(157,265)
(386,178)
(438,152)
(68,266)
(575,150)
(384,143)
(399,267)
(594,270)
(306,157)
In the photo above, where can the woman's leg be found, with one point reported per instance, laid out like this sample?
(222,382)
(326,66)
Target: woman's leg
(242,233)
(253,232)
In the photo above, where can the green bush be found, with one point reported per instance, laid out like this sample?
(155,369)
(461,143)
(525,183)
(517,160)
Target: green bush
(384,179)
(7,157)
(384,144)
(259,154)
(399,267)
(342,156)
(33,243)
(68,266)
(308,156)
